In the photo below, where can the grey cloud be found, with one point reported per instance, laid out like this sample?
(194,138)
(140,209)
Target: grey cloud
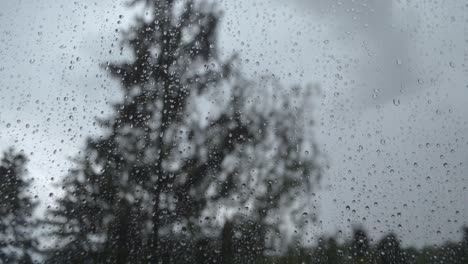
(384,50)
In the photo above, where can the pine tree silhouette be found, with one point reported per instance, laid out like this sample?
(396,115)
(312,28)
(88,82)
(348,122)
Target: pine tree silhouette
(17,243)
(189,140)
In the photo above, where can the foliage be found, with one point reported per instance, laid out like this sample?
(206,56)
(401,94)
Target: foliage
(17,243)
(387,250)
(191,146)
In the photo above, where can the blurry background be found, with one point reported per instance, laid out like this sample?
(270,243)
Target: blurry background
(391,116)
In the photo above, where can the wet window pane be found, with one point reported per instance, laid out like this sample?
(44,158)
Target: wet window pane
(203,131)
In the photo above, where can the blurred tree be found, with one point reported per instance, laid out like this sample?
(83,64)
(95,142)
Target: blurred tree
(270,176)
(227,248)
(359,249)
(333,252)
(320,251)
(190,140)
(463,253)
(328,251)
(17,243)
(389,250)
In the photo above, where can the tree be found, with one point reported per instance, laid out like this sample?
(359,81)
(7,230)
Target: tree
(360,250)
(273,172)
(390,251)
(227,247)
(17,244)
(464,245)
(171,159)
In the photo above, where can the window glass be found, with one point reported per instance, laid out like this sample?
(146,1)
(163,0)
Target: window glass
(203,131)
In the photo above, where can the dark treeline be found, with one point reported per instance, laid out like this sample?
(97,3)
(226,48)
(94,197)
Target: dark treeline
(196,164)
(388,250)
(235,244)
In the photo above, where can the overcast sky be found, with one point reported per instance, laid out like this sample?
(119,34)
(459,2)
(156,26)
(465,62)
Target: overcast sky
(392,115)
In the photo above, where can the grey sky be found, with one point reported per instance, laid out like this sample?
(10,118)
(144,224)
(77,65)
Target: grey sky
(391,113)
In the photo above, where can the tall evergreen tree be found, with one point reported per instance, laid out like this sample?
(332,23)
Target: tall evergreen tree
(171,159)
(17,244)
